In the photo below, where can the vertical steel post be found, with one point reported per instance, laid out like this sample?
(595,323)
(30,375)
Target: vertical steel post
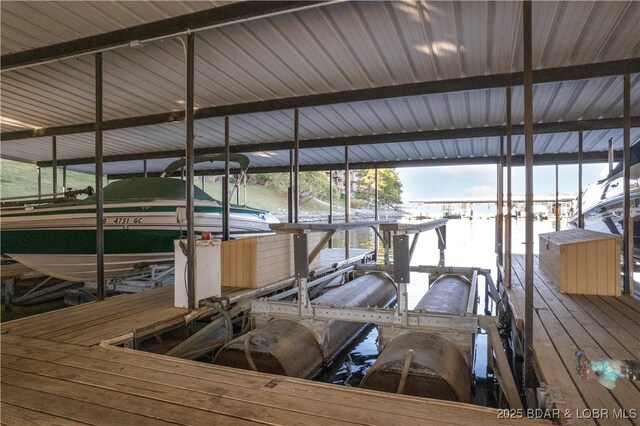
(64,178)
(347,200)
(376,215)
(99,192)
(627,225)
(508,222)
(202,182)
(144,167)
(557,204)
(401,274)
(331,203)
(39,181)
(528,161)
(290,191)
(191,244)
(226,208)
(580,158)
(296,167)
(54,166)
(500,204)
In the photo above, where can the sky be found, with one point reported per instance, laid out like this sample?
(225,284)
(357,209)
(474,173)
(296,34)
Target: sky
(479,181)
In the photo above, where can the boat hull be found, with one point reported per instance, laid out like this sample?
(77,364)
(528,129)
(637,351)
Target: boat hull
(82,267)
(61,242)
(603,207)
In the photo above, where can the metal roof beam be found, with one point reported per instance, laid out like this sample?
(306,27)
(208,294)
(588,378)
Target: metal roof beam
(205,19)
(517,160)
(549,75)
(447,134)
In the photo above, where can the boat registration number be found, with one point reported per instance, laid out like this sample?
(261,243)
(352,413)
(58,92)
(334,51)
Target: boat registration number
(123,220)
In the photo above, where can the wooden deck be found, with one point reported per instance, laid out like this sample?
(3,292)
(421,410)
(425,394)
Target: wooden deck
(54,370)
(602,326)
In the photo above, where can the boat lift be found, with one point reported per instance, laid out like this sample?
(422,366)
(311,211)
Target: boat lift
(396,235)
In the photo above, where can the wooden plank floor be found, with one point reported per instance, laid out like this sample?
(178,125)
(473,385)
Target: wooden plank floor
(602,326)
(52,382)
(54,371)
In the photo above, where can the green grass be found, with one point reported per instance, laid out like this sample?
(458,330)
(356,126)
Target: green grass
(261,197)
(19,179)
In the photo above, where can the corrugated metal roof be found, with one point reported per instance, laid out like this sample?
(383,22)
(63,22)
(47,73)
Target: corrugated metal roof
(336,47)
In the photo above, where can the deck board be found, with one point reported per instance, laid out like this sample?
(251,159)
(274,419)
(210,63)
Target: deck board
(599,325)
(145,388)
(54,371)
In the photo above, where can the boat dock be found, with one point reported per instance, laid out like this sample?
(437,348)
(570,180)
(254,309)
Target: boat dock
(602,326)
(58,368)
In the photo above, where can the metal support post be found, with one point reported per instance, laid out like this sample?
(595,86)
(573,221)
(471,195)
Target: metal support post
(557,204)
(386,243)
(290,189)
(99,192)
(64,178)
(347,200)
(54,154)
(580,158)
(376,215)
(442,243)
(401,274)
(499,204)
(627,224)
(528,161)
(226,208)
(39,170)
(189,115)
(144,167)
(330,203)
(508,222)
(301,265)
(296,166)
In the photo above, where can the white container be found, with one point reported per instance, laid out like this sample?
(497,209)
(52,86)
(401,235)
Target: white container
(207,272)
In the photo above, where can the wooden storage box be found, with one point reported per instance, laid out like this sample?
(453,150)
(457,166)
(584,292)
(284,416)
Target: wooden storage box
(258,261)
(582,262)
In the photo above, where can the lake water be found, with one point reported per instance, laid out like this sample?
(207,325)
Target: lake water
(469,243)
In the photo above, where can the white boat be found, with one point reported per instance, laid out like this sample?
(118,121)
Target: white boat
(142,218)
(602,201)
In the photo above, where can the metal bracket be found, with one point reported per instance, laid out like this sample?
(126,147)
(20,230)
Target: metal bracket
(380,316)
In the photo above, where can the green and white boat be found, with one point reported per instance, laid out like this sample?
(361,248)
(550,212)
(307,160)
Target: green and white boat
(142,218)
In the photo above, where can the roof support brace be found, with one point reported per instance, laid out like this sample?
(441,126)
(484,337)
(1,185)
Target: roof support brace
(184,24)
(577,72)
(439,135)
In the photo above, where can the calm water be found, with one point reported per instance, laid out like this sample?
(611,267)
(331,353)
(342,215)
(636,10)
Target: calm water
(469,243)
